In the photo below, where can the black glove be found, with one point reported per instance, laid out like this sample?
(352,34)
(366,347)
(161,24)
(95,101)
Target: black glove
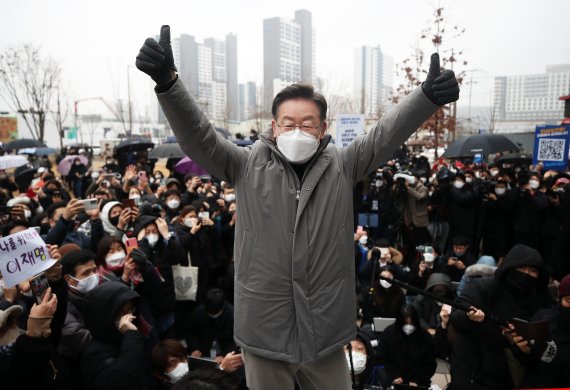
(156,59)
(440,88)
(140,258)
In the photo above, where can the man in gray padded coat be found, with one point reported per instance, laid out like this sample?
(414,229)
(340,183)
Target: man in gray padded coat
(295,303)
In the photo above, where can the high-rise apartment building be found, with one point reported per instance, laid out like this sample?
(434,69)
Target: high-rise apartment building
(209,72)
(288,53)
(373,79)
(524,101)
(248,101)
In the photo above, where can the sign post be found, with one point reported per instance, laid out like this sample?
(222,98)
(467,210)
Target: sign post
(348,127)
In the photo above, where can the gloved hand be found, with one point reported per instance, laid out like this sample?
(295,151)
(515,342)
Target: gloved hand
(440,87)
(156,59)
(140,258)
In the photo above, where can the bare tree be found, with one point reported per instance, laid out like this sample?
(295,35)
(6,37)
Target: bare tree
(92,121)
(444,121)
(60,115)
(28,82)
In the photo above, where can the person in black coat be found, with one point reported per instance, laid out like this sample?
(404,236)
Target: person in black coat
(163,250)
(76,176)
(550,368)
(211,321)
(530,212)
(517,290)
(385,299)
(463,209)
(407,351)
(497,220)
(116,357)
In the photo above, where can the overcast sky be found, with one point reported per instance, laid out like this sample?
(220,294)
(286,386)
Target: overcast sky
(96,40)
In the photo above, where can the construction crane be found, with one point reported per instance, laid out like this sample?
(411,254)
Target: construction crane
(76,103)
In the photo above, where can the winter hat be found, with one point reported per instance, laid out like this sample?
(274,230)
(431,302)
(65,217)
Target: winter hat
(9,314)
(487,260)
(22,199)
(564,288)
(142,222)
(107,225)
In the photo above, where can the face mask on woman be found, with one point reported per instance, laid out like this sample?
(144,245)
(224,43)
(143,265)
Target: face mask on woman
(385,284)
(178,372)
(534,184)
(116,260)
(458,184)
(358,361)
(173,203)
(408,329)
(152,239)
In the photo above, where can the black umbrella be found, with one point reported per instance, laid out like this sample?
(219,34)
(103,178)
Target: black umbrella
(517,158)
(166,151)
(23,143)
(24,177)
(134,143)
(482,143)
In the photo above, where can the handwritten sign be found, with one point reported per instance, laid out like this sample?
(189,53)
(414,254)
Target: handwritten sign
(348,127)
(23,255)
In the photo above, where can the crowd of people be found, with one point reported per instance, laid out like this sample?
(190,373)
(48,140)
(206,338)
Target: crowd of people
(120,314)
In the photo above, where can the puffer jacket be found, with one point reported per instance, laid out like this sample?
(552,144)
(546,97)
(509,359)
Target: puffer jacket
(295,282)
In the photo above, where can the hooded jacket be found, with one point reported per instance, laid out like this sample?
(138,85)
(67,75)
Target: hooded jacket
(478,355)
(294,283)
(485,267)
(428,308)
(111,360)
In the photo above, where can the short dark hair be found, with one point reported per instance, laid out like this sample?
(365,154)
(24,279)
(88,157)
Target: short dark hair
(164,349)
(215,301)
(208,378)
(53,207)
(75,258)
(460,240)
(300,90)
(104,246)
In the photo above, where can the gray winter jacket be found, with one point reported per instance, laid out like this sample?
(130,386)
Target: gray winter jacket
(294,283)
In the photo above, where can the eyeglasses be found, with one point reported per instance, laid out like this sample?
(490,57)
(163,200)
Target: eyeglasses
(308,127)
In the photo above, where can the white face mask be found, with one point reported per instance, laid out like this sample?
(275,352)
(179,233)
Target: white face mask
(494,173)
(408,329)
(468,180)
(27,214)
(379,183)
(500,191)
(458,184)
(136,198)
(178,372)
(358,361)
(297,146)
(188,222)
(116,260)
(204,215)
(87,284)
(429,257)
(95,175)
(478,175)
(363,240)
(152,239)
(385,284)
(230,197)
(534,184)
(173,203)
(423,180)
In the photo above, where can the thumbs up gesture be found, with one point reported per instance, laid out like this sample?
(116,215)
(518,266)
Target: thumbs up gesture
(440,87)
(156,59)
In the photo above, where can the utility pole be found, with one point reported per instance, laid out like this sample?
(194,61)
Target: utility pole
(130,106)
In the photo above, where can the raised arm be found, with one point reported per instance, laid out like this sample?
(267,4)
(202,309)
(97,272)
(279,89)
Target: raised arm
(368,151)
(193,130)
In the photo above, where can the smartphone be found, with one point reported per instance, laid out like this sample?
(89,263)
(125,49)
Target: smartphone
(128,203)
(109,176)
(131,244)
(89,204)
(142,176)
(39,285)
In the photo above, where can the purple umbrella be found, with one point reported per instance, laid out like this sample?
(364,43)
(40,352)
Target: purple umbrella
(65,165)
(187,166)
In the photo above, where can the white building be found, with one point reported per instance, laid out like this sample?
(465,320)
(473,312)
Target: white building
(373,80)
(288,53)
(524,101)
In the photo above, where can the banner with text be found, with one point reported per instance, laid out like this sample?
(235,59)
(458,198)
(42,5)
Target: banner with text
(551,145)
(8,129)
(23,255)
(348,127)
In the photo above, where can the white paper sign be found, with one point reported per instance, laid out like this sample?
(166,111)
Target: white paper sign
(23,255)
(348,127)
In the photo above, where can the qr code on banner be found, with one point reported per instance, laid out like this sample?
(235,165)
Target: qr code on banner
(551,149)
